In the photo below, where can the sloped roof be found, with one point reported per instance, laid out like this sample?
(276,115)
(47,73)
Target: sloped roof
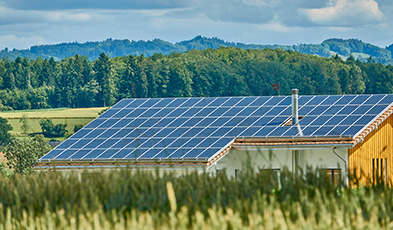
(201,129)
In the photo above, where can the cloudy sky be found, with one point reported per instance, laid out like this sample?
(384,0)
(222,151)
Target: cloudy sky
(24,23)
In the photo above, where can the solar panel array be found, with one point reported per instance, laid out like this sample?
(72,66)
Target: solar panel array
(199,128)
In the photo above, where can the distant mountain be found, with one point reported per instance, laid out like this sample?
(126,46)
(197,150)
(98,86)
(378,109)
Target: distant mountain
(344,48)
(390,48)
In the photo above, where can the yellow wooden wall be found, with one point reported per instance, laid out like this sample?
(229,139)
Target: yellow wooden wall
(377,144)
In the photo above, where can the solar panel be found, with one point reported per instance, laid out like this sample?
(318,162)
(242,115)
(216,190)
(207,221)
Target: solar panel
(199,128)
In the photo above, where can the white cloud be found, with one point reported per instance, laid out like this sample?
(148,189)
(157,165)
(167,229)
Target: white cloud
(10,16)
(276,26)
(28,22)
(345,13)
(257,3)
(65,16)
(158,23)
(11,41)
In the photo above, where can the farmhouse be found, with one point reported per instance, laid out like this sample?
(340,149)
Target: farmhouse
(337,133)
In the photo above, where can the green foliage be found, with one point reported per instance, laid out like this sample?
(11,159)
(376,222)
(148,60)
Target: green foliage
(4,128)
(5,171)
(51,130)
(125,199)
(25,124)
(77,82)
(77,128)
(4,108)
(103,111)
(105,75)
(346,47)
(22,154)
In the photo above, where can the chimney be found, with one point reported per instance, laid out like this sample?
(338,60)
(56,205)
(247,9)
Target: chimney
(295,112)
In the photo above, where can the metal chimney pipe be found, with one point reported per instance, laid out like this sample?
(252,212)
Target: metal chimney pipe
(295,112)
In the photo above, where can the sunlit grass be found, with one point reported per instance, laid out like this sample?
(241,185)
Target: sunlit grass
(125,199)
(71,117)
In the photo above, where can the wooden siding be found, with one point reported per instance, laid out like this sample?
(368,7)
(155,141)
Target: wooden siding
(376,145)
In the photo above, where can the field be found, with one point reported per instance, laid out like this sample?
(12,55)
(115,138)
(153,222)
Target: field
(71,117)
(130,199)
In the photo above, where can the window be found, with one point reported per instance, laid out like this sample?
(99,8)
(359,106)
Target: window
(379,170)
(332,174)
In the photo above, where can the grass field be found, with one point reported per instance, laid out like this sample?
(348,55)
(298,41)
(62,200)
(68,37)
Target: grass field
(71,117)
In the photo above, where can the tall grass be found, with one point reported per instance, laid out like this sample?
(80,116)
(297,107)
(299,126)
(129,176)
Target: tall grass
(126,199)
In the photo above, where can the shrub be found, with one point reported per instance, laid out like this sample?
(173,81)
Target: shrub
(51,130)
(77,128)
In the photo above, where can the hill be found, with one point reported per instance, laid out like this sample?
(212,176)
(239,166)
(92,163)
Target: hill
(116,48)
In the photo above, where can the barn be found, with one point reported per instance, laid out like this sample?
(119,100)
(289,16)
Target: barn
(336,133)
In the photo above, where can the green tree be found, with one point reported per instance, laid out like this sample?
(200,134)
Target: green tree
(87,94)
(106,76)
(25,124)
(23,154)
(4,128)
(180,80)
(68,84)
(51,130)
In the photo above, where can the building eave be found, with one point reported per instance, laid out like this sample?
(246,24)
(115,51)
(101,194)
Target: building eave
(121,163)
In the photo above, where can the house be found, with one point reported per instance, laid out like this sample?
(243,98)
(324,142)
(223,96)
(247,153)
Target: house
(337,133)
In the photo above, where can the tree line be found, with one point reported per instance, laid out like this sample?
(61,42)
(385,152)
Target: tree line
(77,82)
(124,47)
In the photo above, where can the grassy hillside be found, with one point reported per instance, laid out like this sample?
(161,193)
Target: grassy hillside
(71,117)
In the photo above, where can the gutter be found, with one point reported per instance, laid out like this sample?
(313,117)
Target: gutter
(334,148)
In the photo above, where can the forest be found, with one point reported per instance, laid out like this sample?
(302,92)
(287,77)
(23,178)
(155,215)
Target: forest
(77,82)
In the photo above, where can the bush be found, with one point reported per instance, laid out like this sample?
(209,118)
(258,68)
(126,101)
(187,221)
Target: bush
(51,130)
(77,128)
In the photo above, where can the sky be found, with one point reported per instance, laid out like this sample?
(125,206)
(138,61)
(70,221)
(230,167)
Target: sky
(24,23)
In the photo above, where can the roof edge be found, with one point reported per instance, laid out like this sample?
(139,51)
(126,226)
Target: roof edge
(292,139)
(360,137)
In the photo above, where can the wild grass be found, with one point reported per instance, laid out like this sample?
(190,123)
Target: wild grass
(53,113)
(71,117)
(36,128)
(124,199)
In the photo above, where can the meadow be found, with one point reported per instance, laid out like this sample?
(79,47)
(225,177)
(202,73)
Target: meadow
(132,199)
(71,117)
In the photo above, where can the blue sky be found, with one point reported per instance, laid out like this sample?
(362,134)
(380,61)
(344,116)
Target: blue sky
(24,23)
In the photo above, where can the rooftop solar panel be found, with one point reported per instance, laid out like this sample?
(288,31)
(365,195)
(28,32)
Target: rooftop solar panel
(199,128)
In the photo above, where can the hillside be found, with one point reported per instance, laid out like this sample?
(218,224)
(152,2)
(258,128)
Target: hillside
(116,48)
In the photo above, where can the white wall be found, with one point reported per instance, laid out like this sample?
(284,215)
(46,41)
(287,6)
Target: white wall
(279,158)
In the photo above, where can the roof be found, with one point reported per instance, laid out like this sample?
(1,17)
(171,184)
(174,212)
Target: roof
(199,130)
